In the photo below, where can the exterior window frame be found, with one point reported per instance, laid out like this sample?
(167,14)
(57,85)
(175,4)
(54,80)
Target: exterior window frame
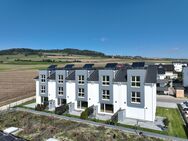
(43,89)
(105,80)
(60,79)
(43,78)
(135,81)
(81,92)
(60,91)
(81,79)
(105,94)
(135,97)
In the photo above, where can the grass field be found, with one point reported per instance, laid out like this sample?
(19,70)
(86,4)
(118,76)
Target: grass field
(176,125)
(38,128)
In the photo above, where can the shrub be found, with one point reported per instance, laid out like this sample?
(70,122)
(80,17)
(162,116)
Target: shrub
(62,109)
(40,107)
(84,115)
(166,122)
(111,122)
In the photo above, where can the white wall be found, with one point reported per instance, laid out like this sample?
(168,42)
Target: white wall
(178,67)
(38,97)
(93,94)
(150,101)
(161,76)
(70,91)
(185,76)
(52,91)
(119,96)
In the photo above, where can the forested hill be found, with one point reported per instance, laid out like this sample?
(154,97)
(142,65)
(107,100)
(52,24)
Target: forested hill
(27,51)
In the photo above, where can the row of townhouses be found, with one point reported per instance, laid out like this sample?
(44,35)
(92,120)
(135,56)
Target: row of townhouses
(131,89)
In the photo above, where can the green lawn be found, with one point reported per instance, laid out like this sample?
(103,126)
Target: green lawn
(176,125)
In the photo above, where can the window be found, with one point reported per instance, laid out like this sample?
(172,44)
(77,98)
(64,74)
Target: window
(43,78)
(106,80)
(135,81)
(105,94)
(60,78)
(43,89)
(61,101)
(82,105)
(81,79)
(81,92)
(107,108)
(60,90)
(44,99)
(135,97)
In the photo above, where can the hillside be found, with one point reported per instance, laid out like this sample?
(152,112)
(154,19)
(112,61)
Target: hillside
(69,51)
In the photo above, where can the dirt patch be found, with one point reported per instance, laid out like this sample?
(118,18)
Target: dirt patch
(16,85)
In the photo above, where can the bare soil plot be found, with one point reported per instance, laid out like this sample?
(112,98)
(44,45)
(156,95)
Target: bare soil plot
(16,85)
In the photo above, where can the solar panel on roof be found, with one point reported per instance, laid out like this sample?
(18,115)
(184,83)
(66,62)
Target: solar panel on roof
(111,65)
(88,66)
(138,64)
(52,66)
(69,66)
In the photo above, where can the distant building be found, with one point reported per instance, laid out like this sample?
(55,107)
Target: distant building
(178,66)
(131,89)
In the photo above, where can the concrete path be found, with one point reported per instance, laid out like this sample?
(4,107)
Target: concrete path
(5,107)
(127,130)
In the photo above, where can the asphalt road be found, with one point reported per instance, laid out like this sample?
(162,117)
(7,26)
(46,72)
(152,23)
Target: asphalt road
(127,130)
(170,99)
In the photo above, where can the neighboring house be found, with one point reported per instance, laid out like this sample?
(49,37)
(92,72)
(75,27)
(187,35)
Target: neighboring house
(185,76)
(110,89)
(165,77)
(178,66)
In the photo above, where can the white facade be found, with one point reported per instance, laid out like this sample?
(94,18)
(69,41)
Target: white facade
(178,67)
(118,97)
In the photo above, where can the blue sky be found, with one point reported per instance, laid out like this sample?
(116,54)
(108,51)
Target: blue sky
(151,28)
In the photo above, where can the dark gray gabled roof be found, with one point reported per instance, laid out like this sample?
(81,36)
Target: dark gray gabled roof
(94,76)
(52,76)
(71,76)
(151,74)
(121,76)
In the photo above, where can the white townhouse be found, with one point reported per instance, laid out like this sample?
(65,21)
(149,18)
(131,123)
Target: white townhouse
(110,89)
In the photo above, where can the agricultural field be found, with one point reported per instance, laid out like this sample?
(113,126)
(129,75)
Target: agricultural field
(37,128)
(16,85)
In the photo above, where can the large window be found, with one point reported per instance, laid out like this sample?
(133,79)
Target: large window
(61,101)
(82,104)
(43,89)
(60,90)
(135,81)
(107,108)
(81,79)
(60,79)
(105,94)
(43,78)
(106,80)
(81,92)
(44,99)
(135,97)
